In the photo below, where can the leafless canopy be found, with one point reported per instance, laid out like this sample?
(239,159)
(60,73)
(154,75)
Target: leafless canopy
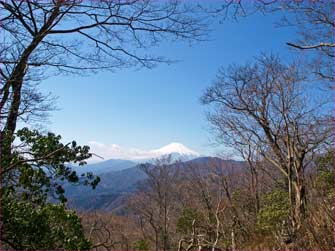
(268,106)
(41,38)
(104,34)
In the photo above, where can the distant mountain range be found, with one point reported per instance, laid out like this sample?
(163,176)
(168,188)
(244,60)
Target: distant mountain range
(106,166)
(120,178)
(176,151)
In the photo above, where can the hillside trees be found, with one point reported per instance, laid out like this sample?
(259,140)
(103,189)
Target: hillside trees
(205,193)
(107,231)
(49,226)
(34,173)
(320,224)
(267,100)
(155,202)
(252,119)
(211,206)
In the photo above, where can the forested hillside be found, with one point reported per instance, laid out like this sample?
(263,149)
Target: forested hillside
(269,117)
(217,206)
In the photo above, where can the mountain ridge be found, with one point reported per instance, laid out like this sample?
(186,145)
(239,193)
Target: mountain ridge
(175,151)
(116,185)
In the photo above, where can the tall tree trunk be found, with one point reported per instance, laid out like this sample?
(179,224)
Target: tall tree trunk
(290,197)
(300,202)
(15,82)
(254,180)
(16,78)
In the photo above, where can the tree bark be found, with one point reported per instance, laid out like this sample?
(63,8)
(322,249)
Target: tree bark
(299,207)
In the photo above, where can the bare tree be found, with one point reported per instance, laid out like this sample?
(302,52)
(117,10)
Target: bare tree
(108,231)
(155,200)
(268,101)
(244,148)
(42,38)
(72,36)
(208,190)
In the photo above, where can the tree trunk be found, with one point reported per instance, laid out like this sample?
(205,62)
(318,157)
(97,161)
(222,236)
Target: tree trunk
(254,178)
(300,202)
(15,80)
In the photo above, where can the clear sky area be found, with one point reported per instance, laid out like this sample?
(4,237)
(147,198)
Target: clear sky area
(147,109)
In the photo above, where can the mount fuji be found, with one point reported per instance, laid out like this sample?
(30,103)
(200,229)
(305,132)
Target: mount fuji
(177,152)
(122,158)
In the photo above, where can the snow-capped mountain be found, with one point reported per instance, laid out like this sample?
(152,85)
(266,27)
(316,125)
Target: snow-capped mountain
(176,151)
(175,148)
(119,158)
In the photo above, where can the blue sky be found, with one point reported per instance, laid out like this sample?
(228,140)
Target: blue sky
(147,109)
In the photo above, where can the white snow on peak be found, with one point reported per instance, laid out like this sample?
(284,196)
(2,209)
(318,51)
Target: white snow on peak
(114,151)
(175,148)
